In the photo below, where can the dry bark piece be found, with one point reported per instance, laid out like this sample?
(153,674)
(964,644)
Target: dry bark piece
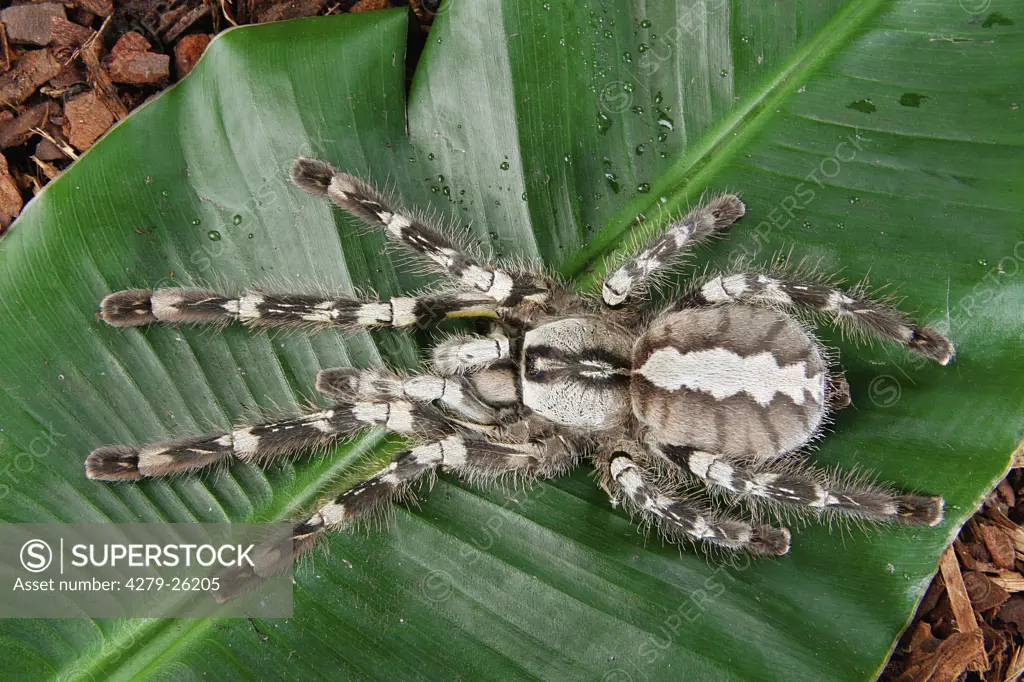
(131,62)
(1005,492)
(959,600)
(48,151)
(5,51)
(18,130)
(983,593)
(67,33)
(1016,667)
(34,68)
(1013,612)
(188,51)
(103,8)
(10,197)
(130,43)
(87,118)
(999,545)
(185,22)
(968,559)
(369,5)
(291,9)
(948,661)
(1009,581)
(960,604)
(30,24)
(91,53)
(72,74)
(53,146)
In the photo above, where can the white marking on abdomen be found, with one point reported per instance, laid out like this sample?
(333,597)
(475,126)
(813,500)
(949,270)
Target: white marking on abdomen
(723,374)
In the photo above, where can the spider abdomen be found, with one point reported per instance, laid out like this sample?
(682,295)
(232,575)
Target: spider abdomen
(735,380)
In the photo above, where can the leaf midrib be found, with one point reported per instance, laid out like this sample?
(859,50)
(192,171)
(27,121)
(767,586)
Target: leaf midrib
(716,147)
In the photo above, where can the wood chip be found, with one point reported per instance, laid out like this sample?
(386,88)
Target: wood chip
(67,33)
(49,170)
(101,8)
(983,592)
(72,74)
(10,196)
(87,118)
(999,545)
(91,53)
(960,602)
(188,51)
(131,62)
(34,68)
(18,130)
(130,43)
(1013,612)
(949,661)
(5,51)
(369,6)
(185,22)
(969,561)
(291,9)
(30,24)
(48,151)
(1016,667)
(1011,582)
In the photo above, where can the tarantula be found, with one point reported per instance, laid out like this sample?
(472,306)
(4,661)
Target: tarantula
(724,385)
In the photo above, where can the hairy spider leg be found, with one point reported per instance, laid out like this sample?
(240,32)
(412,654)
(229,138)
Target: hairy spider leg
(798,484)
(264,441)
(364,201)
(178,305)
(466,455)
(679,519)
(666,249)
(856,312)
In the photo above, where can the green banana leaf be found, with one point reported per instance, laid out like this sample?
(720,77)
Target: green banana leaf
(872,137)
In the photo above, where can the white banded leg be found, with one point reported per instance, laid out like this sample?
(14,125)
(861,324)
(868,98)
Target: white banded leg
(262,442)
(174,305)
(454,392)
(852,309)
(800,485)
(460,354)
(678,519)
(667,248)
(467,455)
(365,202)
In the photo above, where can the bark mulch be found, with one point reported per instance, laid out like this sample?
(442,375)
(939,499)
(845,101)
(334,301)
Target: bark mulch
(70,69)
(970,624)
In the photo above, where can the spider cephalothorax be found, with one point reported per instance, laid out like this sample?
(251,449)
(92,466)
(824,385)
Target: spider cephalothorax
(726,386)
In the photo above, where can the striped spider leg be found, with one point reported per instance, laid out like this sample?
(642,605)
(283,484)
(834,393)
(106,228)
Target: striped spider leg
(637,272)
(626,479)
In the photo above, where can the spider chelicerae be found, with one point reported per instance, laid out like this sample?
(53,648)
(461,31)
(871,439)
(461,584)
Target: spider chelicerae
(724,385)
